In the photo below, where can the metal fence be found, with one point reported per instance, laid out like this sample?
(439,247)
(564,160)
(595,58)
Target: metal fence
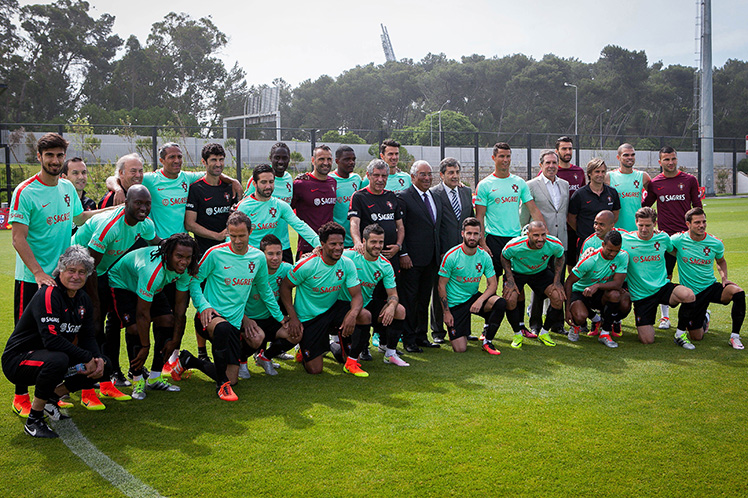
(101,145)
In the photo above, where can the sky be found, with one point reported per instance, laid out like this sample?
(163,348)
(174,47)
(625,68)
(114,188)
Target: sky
(297,40)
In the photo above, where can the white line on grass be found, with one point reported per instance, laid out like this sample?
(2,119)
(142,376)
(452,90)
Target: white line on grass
(107,468)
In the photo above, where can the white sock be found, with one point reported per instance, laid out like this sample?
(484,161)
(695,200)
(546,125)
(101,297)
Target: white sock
(665,311)
(543,331)
(136,378)
(595,318)
(390,352)
(154,375)
(485,341)
(734,336)
(679,332)
(174,356)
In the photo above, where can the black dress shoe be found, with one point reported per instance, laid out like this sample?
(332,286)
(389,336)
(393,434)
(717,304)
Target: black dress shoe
(412,348)
(424,343)
(473,338)
(438,340)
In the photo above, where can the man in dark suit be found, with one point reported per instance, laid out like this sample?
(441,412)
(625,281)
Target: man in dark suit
(457,205)
(419,259)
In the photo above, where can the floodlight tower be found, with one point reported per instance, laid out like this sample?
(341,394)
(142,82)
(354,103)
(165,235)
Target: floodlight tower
(389,53)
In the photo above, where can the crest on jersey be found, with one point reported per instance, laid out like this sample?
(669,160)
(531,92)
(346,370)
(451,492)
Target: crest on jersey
(273,211)
(515,187)
(681,186)
(613,267)
(545,257)
(126,317)
(165,202)
(227,281)
(389,205)
(657,246)
(354,186)
(479,267)
(67,199)
(184,186)
(377,274)
(576,177)
(636,183)
(402,182)
(278,280)
(227,196)
(707,250)
(81,312)
(610,199)
(288,187)
(339,274)
(251,266)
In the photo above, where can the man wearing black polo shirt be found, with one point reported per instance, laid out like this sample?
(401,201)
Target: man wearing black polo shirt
(209,201)
(589,200)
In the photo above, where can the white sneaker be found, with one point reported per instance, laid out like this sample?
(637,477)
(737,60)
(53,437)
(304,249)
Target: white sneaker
(396,360)
(664,323)
(244,371)
(707,319)
(735,342)
(573,334)
(266,365)
(605,339)
(684,342)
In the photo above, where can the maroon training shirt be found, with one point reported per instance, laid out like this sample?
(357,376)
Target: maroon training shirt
(574,175)
(674,197)
(314,202)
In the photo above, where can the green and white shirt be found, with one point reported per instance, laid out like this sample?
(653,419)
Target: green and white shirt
(629,187)
(256,307)
(344,191)
(282,190)
(464,273)
(696,260)
(138,273)
(318,284)
(169,199)
(266,216)
(48,212)
(528,261)
(502,198)
(595,269)
(646,272)
(395,183)
(369,274)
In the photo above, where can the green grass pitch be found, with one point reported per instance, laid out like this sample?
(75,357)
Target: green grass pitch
(574,420)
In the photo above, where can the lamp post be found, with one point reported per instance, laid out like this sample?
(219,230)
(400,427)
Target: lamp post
(576,106)
(440,116)
(601,129)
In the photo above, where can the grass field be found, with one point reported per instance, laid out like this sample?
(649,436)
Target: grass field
(574,420)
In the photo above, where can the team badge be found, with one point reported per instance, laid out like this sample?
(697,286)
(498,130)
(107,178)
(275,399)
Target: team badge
(479,267)
(377,274)
(126,317)
(226,196)
(707,250)
(339,274)
(402,182)
(184,186)
(636,183)
(515,187)
(81,312)
(681,186)
(273,211)
(49,220)
(609,199)
(288,187)
(67,199)
(545,257)
(251,266)
(657,246)
(576,177)
(165,202)
(389,205)
(278,280)
(227,281)
(613,267)
(354,186)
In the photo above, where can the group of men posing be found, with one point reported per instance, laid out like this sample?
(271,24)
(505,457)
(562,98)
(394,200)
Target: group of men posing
(372,252)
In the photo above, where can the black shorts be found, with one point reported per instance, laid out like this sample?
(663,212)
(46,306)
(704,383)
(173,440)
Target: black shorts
(270,326)
(497,244)
(645,310)
(315,340)
(593,303)
(670,264)
(462,315)
(288,256)
(538,282)
(697,309)
(22,295)
(572,253)
(125,304)
(375,307)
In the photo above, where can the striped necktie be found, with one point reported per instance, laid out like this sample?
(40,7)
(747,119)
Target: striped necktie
(456,204)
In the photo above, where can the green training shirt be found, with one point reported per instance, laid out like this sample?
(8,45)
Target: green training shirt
(266,215)
(369,274)
(397,182)
(229,278)
(48,212)
(531,261)
(629,189)
(318,285)
(646,272)
(169,199)
(146,277)
(696,260)
(255,307)
(594,269)
(502,198)
(345,189)
(282,190)
(464,273)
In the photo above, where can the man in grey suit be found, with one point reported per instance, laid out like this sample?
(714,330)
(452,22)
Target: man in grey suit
(457,205)
(419,259)
(551,196)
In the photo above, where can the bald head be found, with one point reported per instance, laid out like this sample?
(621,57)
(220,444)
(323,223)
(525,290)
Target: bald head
(604,222)
(137,204)
(137,192)
(535,224)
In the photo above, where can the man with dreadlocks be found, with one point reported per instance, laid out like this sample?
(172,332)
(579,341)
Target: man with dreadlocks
(137,281)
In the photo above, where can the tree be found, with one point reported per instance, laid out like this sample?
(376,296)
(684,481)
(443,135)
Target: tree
(459,130)
(348,137)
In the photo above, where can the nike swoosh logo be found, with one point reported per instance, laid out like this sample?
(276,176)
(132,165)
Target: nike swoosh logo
(226,267)
(252,214)
(314,190)
(160,188)
(206,199)
(118,240)
(31,431)
(494,190)
(316,276)
(459,268)
(45,205)
(588,202)
(371,206)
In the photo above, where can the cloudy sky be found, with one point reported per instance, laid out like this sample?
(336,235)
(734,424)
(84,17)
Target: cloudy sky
(303,40)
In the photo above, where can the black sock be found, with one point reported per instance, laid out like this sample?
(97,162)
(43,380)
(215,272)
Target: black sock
(536,311)
(202,353)
(21,390)
(553,318)
(160,336)
(607,317)
(513,317)
(738,311)
(36,414)
(394,332)
(495,318)
(277,347)
(359,340)
(132,343)
(684,317)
